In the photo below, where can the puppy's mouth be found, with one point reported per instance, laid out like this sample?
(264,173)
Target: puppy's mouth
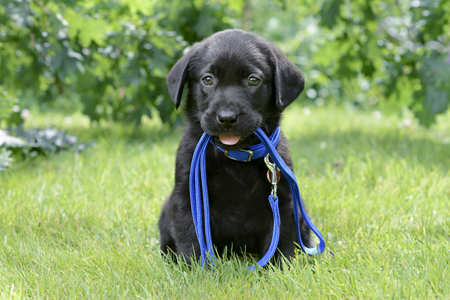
(229,139)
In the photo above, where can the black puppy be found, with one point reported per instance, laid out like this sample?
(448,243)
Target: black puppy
(237,83)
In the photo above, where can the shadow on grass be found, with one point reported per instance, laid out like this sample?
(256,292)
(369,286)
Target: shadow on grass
(319,148)
(126,132)
(107,135)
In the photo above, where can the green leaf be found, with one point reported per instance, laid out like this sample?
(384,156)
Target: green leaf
(143,6)
(87,30)
(330,13)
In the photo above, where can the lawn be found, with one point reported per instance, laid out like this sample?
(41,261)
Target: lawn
(84,225)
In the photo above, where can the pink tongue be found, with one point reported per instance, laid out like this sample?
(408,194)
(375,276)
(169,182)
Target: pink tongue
(229,139)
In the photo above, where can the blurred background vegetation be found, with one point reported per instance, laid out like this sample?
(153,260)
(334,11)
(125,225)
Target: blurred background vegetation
(109,58)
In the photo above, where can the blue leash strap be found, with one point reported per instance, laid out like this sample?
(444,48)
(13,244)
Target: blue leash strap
(295,196)
(198,164)
(275,234)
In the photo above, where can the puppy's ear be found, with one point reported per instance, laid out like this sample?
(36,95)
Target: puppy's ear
(289,80)
(177,76)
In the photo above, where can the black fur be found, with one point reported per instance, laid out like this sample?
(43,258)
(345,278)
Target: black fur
(241,217)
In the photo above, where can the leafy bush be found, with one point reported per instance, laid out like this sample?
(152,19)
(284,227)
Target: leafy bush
(388,53)
(10,111)
(394,51)
(36,141)
(109,57)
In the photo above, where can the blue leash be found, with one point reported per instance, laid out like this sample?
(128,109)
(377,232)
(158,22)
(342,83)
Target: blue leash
(198,188)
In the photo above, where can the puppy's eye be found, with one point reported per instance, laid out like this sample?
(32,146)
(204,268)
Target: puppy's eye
(208,80)
(253,81)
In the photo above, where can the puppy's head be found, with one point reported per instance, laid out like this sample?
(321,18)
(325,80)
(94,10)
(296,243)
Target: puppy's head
(237,83)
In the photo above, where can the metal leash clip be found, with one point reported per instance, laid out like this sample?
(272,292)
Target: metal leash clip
(273,175)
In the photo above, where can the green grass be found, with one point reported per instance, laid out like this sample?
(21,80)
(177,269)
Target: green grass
(84,225)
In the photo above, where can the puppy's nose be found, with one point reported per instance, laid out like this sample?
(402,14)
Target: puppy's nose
(227,118)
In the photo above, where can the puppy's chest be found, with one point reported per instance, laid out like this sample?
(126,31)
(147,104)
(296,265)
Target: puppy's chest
(238,189)
(239,206)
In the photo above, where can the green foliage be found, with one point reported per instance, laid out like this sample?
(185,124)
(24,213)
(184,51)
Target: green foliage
(46,140)
(391,51)
(111,57)
(32,142)
(10,111)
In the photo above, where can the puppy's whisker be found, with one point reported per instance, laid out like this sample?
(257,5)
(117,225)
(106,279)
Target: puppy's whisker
(264,125)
